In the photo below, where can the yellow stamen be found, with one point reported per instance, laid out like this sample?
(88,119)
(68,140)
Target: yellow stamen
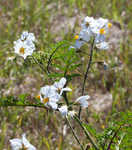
(102,31)
(109,25)
(58,90)
(87,24)
(22,50)
(76,37)
(23,147)
(45,100)
(38,96)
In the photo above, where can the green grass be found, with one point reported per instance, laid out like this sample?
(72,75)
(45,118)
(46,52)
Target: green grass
(50,21)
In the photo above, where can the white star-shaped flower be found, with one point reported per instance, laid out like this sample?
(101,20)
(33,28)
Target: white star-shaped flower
(25,45)
(49,96)
(87,22)
(23,48)
(83,101)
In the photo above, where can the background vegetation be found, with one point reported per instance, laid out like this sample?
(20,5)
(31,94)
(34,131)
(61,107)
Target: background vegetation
(52,21)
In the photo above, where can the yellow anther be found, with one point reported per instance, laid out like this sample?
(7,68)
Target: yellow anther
(45,100)
(38,96)
(58,90)
(76,37)
(87,24)
(102,31)
(109,25)
(23,147)
(22,50)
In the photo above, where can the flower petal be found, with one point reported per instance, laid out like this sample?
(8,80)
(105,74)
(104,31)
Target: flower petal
(66,90)
(63,110)
(83,101)
(81,98)
(16,144)
(53,105)
(62,82)
(102,45)
(26,143)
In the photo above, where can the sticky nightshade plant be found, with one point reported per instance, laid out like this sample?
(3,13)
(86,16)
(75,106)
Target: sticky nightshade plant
(94,32)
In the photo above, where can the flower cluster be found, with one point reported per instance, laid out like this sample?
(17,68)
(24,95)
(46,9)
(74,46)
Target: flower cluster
(51,95)
(25,45)
(93,28)
(21,144)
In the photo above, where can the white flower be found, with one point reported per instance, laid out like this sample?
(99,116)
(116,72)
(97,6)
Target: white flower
(49,96)
(96,28)
(27,36)
(78,44)
(102,45)
(83,100)
(23,48)
(100,29)
(61,83)
(25,45)
(85,35)
(102,22)
(31,37)
(71,113)
(63,110)
(100,37)
(24,35)
(59,86)
(23,143)
(88,21)
(98,25)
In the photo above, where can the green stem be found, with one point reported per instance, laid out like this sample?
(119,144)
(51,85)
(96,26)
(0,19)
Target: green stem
(40,65)
(74,134)
(86,133)
(65,98)
(86,74)
(24,105)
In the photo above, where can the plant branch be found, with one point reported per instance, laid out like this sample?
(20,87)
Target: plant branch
(24,105)
(111,141)
(49,61)
(86,74)
(65,97)
(86,133)
(74,134)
